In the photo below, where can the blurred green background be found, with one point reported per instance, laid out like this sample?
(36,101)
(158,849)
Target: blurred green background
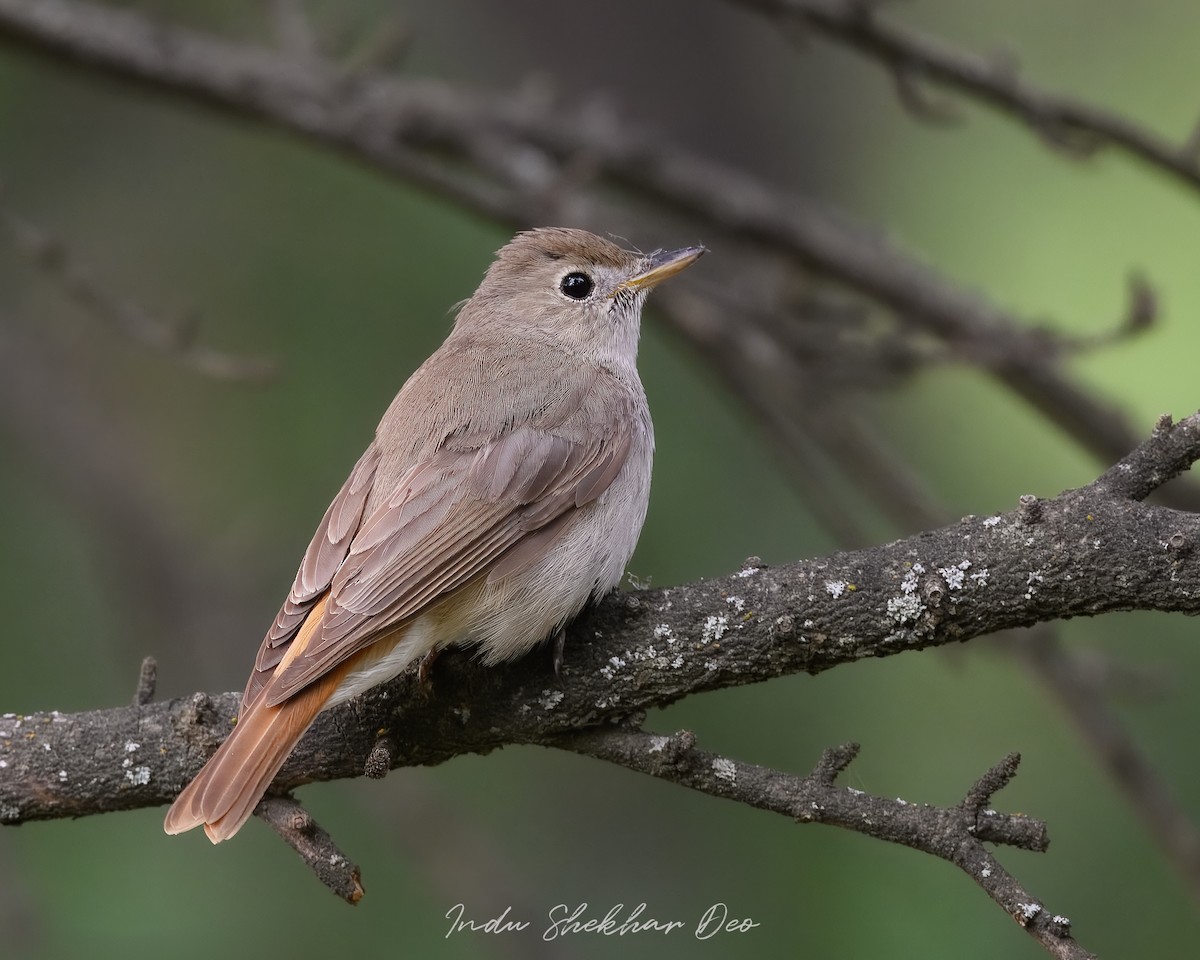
(347,278)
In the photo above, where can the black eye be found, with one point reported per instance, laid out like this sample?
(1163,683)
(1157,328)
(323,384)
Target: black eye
(576,285)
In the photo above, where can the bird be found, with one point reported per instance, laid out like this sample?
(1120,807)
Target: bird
(505,488)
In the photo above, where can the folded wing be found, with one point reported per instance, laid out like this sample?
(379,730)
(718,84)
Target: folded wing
(453,517)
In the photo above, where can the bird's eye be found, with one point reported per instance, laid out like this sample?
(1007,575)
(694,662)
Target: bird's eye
(576,285)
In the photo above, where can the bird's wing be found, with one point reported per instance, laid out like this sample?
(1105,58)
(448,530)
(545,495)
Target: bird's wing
(453,517)
(324,555)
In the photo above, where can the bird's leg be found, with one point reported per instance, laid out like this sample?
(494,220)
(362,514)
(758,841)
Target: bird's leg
(558,645)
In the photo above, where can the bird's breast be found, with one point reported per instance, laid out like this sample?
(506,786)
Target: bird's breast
(587,560)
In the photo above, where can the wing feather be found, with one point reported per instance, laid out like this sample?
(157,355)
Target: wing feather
(337,527)
(454,517)
(324,555)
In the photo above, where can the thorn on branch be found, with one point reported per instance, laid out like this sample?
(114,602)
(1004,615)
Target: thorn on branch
(1029,509)
(992,782)
(200,711)
(147,682)
(833,761)
(316,848)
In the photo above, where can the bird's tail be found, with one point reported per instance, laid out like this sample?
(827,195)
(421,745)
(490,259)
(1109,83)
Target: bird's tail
(228,788)
(225,793)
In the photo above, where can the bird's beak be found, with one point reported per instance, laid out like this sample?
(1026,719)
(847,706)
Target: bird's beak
(659,266)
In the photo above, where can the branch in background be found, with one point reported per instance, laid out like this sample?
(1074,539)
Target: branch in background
(1082,698)
(176,340)
(804,415)
(1074,127)
(903,497)
(955,834)
(155,576)
(505,157)
(776,391)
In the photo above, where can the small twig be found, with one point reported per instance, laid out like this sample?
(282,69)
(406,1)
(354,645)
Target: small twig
(174,340)
(789,396)
(954,834)
(422,130)
(833,763)
(1163,456)
(1064,673)
(1141,314)
(990,784)
(315,847)
(1075,127)
(147,682)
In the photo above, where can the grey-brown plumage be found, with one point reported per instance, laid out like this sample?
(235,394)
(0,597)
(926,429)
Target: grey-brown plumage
(505,487)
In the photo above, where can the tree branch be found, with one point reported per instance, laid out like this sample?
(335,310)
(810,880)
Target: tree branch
(517,160)
(315,847)
(509,158)
(1128,766)
(1084,552)
(1071,126)
(48,410)
(955,834)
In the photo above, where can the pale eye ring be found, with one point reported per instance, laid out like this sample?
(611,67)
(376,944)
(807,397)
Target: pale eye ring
(576,285)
